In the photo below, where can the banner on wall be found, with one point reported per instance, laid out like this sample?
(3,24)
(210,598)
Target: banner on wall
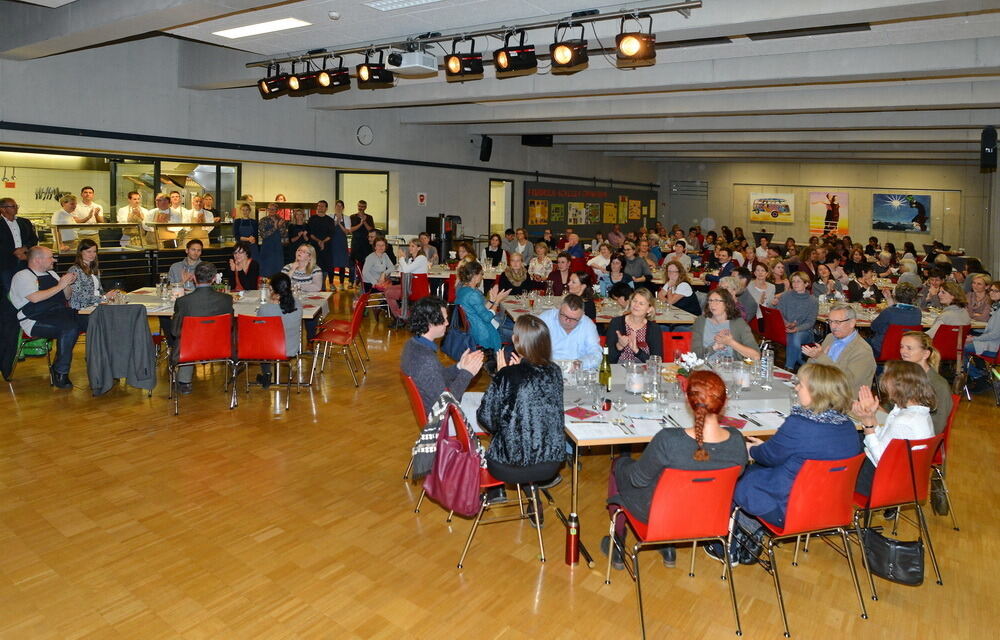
(772,207)
(828,211)
(901,212)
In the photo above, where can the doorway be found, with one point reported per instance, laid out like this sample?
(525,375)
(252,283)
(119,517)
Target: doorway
(501,205)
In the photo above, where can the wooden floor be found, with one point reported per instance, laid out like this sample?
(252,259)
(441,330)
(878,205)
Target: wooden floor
(120,520)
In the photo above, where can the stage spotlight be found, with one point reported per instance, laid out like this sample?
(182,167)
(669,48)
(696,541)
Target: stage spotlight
(374,75)
(519,60)
(568,56)
(274,85)
(635,49)
(460,67)
(333,79)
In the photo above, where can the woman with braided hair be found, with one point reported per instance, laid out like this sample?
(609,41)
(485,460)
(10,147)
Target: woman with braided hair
(705,446)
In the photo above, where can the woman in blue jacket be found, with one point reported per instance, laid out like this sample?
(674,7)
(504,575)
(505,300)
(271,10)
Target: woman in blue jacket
(488,323)
(817,429)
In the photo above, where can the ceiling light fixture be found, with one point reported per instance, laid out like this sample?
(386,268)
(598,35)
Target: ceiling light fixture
(262,27)
(519,60)
(274,84)
(635,49)
(392,5)
(460,67)
(374,75)
(320,80)
(568,56)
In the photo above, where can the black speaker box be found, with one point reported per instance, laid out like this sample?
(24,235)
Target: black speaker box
(486,149)
(537,140)
(988,149)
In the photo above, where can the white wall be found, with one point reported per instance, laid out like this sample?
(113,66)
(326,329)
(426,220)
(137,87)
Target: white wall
(958,204)
(133,87)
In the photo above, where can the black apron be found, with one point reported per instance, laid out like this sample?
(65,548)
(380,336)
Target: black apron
(38,310)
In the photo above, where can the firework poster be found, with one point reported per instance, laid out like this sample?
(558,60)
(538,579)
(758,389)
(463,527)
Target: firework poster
(772,207)
(538,212)
(901,212)
(828,212)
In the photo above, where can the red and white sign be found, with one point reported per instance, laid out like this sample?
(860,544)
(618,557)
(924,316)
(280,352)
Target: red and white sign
(421,199)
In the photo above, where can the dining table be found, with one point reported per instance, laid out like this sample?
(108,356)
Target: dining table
(868,313)
(245,303)
(607,309)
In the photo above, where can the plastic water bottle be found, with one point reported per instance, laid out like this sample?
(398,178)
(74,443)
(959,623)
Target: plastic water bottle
(767,364)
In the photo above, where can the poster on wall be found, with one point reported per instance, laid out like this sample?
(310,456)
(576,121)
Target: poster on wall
(538,212)
(772,207)
(557,212)
(828,212)
(593,213)
(634,209)
(610,213)
(622,209)
(901,212)
(576,214)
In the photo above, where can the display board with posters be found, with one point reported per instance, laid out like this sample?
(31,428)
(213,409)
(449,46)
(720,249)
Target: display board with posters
(586,209)
(828,211)
(772,207)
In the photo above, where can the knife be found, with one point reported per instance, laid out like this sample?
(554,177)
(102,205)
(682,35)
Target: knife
(746,417)
(673,422)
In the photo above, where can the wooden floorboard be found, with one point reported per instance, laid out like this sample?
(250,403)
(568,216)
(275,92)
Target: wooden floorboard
(119,520)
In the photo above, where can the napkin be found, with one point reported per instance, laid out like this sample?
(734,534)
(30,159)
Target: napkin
(782,375)
(727,421)
(315,297)
(581,414)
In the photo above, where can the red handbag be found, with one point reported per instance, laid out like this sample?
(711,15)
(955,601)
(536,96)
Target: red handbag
(454,478)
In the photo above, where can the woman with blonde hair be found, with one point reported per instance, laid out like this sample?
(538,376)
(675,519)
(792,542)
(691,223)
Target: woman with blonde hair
(706,445)
(918,347)
(635,336)
(540,266)
(304,272)
(906,386)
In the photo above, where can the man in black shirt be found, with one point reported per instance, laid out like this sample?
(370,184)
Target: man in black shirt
(361,224)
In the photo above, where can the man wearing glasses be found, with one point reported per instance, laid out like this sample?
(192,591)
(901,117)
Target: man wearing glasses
(574,335)
(844,348)
(17,235)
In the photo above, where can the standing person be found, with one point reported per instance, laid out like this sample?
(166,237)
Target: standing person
(245,229)
(799,310)
(183,271)
(208,204)
(298,231)
(905,385)
(523,409)
(705,446)
(273,230)
(87,207)
(134,211)
(428,322)
(177,210)
(844,348)
(918,347)
(320,230)
(39,296)
(635,336)
(361,224)
(86,290)
(17,235)
(340,259)
(244,271)
(720,331)
(203,301)
(66,216)
(161,211)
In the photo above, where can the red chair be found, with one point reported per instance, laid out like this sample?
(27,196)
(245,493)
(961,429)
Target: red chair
(940,461)
(820,502)
(774,326)
(603,339)
(203,340)
(328,338)
(687,506)
(345,326)
(420,287)
(891,340)
(417,406)
(892,487)
(754,326)
(675,343)
(949,340)
(487,481)
(259,341)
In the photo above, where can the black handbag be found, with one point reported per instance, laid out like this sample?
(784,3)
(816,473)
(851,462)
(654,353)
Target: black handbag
(456,341)
(899,561)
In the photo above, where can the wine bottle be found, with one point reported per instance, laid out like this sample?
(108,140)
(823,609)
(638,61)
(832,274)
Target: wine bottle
(604,371)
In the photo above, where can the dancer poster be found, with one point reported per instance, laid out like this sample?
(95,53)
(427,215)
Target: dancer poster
(901,212)
(828,212)
(772,207)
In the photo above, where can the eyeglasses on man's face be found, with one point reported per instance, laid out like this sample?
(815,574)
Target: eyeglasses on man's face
(570,319)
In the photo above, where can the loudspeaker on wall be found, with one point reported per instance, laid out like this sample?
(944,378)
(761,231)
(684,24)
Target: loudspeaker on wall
(486,149)
(988,149)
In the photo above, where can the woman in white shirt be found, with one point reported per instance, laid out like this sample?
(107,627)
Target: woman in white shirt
(540,266)
(414,262)
(599,263)
(761,250)
(906,386)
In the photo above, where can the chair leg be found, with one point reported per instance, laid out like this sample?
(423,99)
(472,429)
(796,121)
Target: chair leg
(611,547)
(930,545)
(694,548)
(288,387)
(536,503)
(947,497)
(638,589)
(777,585)
(729,577)
(234,398)
(364,346)
(854,573)
(406,474)
(472,532)
(350,365)
(423,492)
(864,556)
(360,359)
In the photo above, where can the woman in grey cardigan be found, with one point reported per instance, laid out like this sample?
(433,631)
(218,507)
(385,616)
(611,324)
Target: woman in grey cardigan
(721,331)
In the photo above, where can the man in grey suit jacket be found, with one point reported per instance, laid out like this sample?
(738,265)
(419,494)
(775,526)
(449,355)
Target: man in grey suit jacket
(203,301)
(844,348)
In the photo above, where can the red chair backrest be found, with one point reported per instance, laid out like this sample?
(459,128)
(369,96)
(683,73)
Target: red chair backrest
(420,286)
(821,496)
(942,451)
(892,484)
(461,430)
(451,288)
(949,339)
(675,343)
(463,320)
(260,338)
(206,338)
(416,402)
(603,339)
(692,504)
(774,325)
(577,264)
(893,336)
(754,325)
